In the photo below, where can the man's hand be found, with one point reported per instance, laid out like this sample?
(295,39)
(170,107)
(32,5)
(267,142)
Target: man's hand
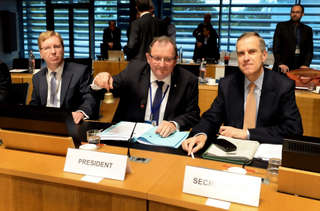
(199,44)
(197,141)
(77,116)
(233,132)
(283,68)
(110,45)
(104,80)
(166,128)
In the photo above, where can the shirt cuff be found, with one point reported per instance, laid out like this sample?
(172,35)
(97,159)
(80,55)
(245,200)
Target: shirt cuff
(248,134)
(176,124)
(84,114)
(95,87)
(198,134)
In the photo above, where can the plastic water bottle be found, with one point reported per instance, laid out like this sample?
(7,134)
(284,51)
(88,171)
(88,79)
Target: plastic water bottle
(32,62)
(181,55)
(203,70)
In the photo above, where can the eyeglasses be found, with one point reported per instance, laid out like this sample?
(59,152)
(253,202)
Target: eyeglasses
(166,60)
(56,47)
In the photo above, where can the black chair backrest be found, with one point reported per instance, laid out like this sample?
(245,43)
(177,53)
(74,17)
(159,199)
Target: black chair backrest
(23,63)
(19,93)
(84,61)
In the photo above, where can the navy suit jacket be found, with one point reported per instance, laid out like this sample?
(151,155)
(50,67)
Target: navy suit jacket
(284,45)
(5,82)
(75,90)
(278,115)
(132,86)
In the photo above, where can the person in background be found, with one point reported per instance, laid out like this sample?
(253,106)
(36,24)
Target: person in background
(167,28)
(253,103)
(156,91)
(112,36)
(142,31)
(62,84)
(5,82)
(292,43)
(206,45)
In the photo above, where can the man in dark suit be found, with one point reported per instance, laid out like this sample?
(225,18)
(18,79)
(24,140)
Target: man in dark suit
(61,84)
(5,82)
(112,36)
(206,45)
(292,43)
(139,84)
(142,31)
(273,113)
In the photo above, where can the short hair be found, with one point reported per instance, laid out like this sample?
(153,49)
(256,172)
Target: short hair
(144,5)
(163,39)
(298,5)
(46,35)
(262,44)
(207,15)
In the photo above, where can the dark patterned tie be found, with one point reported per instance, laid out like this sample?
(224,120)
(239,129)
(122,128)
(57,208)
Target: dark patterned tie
(157,102)
(53,85)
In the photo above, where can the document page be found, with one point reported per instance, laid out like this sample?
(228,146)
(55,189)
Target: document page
(267,151)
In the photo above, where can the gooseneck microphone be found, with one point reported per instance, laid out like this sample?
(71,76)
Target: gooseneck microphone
(130,140)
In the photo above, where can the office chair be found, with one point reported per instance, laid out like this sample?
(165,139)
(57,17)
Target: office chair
(19,93)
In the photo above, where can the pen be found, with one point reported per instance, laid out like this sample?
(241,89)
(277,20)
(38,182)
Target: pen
(192,155)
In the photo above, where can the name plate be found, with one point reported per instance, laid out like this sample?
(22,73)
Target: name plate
(222,185)
(98,164)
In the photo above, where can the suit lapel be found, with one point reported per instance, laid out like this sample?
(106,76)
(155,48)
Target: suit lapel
(144,86)
(171,98)
(267,94)
(43,87)
(237,99)
(65,81)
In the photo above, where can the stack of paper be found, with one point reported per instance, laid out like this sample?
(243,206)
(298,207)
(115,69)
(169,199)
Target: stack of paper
(267,151)
(143,133)
(121,131)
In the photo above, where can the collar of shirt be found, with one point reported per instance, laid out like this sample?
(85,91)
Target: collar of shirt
(59,71)
(143,13)
(257,82)
(166,80)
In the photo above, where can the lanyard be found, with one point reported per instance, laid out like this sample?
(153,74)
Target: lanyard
(156,108)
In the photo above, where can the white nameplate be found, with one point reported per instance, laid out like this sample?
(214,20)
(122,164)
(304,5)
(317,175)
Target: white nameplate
(222,185)
(99,164)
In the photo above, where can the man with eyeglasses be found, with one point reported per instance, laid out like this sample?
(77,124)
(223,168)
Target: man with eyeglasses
(156,91)
(292,43)
(62,84)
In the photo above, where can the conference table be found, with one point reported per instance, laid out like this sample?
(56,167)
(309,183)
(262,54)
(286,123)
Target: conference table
(34,181)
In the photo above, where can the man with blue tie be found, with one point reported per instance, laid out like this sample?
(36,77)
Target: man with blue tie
(62,84)
(253,103)
(156,91)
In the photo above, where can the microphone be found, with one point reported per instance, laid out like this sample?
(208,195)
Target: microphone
(130,140)
(133,158)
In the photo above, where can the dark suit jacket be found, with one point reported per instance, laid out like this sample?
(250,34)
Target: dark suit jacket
(142,32)
(75,90)
(284,45)
(278,115)
(132,86)
(112,36)
(5,82)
